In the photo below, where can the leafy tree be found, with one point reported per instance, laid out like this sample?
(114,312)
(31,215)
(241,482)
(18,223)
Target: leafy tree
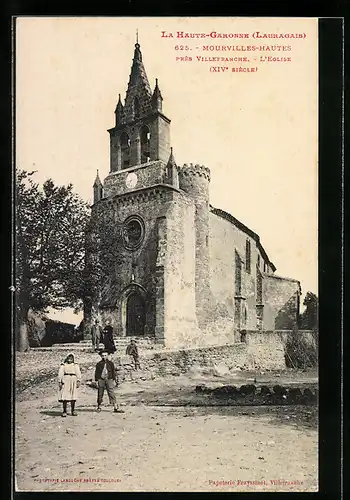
(49,249)
(103,255)
(309,318)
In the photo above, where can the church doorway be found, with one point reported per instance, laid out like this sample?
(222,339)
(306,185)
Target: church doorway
(135,315)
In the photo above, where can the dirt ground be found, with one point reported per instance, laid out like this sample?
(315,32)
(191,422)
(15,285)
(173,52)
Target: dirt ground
(168,439)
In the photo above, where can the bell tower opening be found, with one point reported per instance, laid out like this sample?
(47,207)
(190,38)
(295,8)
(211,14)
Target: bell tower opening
(125,150)
(145,138)
(135,315)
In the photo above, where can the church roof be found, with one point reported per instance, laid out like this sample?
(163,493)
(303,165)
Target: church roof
(244,229)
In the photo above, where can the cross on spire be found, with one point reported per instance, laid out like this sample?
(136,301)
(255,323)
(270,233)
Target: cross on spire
(137,35)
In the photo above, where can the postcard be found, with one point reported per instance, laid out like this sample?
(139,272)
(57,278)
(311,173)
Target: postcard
(167,254)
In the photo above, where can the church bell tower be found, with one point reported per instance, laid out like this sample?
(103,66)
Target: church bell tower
(142,132)
(151,221)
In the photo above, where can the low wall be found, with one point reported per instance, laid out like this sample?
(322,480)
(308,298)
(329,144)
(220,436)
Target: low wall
(306,336)
(239,356)
(266,350)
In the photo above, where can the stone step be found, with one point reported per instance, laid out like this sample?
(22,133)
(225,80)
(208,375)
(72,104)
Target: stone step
(86,346)
(125,341)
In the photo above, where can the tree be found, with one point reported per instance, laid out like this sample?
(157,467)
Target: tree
(309,318)
(103,255)
(49,248)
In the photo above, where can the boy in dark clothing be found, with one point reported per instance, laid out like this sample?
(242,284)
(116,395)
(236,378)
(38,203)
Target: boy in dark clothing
(132,350)
(106,378)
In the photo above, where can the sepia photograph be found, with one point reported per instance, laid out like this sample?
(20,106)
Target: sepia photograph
(166,254)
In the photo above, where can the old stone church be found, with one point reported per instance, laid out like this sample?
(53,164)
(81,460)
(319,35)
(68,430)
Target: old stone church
(188,274)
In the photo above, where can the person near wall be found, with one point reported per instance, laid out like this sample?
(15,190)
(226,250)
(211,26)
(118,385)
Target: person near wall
(106,378)
(107,339)
(96,334)
(133,351)
(69,377)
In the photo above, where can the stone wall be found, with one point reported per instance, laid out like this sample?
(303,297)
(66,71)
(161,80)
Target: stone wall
(162,268)
(148,174)
(266,349)
(225,240)
(57,332)
(160,140)
(194,180)
(309,337)
(180,326)
(240,356)
(281,302)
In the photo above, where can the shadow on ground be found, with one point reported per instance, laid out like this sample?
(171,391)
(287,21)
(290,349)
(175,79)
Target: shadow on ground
(58,413)
(303,417)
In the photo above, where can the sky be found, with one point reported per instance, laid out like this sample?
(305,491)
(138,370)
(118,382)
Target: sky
(256,131)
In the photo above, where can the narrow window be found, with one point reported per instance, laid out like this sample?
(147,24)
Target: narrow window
(145,138)
(238,275)
(248,257)
(258,287)
(259,261)
(125,149)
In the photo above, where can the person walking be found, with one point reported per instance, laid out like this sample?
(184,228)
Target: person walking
(96,334)
(132,351)
(108,340)
(106,378)
(69,377)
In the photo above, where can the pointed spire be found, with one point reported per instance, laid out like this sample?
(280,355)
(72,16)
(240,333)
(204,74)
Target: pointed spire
(97,180)
(138,73)
(156,93)
(119,105)
(119,111)
(98,189)
(157,98)
(171,160)
(171,176)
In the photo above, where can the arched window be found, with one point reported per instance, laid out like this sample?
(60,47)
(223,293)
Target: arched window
(125,150)
(145,138)
(136,108)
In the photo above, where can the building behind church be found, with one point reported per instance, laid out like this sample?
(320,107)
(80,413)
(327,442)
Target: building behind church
(186,274)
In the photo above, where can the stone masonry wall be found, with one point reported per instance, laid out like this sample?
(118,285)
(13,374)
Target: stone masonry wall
(281,302)
(266,350)
(140,262)
(148,174)
(240,356)
(225,238)
(179,274)
(306,336)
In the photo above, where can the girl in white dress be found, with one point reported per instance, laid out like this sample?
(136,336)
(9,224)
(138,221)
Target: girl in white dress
(69,377)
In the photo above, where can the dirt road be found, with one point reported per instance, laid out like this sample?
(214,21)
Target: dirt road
(162,446)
